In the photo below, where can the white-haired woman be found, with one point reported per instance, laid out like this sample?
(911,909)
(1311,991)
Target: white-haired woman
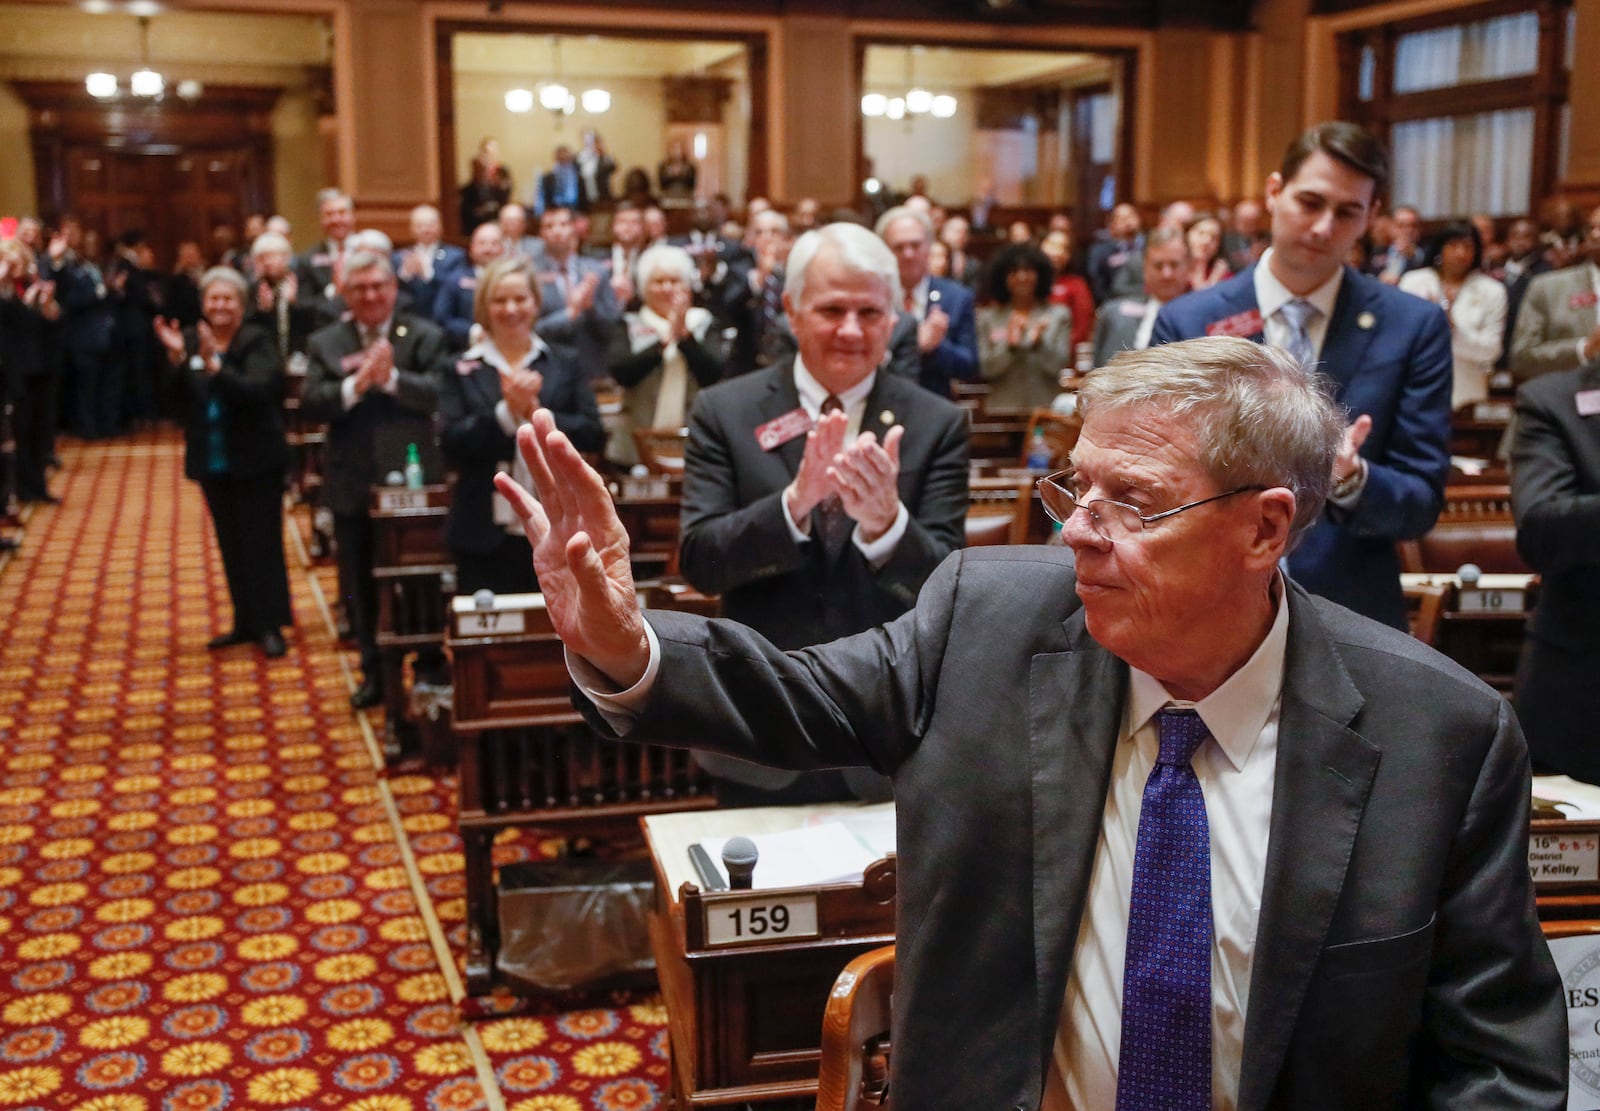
(231,382)
(663,353)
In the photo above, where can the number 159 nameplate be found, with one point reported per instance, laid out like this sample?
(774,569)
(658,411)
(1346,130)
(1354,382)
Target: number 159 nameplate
(760,919)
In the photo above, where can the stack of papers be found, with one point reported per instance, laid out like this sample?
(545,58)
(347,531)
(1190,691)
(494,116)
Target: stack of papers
(828,852)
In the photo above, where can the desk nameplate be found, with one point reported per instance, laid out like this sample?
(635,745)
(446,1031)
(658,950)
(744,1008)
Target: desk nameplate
(488,623)
(1478,600)
(760,919)
(1562,858)
(395,501)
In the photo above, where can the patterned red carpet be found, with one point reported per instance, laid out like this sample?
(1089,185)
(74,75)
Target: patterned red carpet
(210,894)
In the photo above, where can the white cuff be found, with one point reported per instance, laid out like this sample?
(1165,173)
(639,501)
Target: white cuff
(619,708)
(502,413)
(1583,350)
(796,533)
(347,392)
(1352,495)
(878,552)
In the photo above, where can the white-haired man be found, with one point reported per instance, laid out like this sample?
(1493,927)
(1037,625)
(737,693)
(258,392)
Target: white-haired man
(1173,833)
(819,493)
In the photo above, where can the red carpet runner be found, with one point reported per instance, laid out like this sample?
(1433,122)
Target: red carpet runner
(204,902)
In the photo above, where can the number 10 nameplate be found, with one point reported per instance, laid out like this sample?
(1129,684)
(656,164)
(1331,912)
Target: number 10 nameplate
(760,919)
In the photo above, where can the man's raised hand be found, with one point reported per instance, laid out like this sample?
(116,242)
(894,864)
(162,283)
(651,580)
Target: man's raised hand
(811,483)
(580,553)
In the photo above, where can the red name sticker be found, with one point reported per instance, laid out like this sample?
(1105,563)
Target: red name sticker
(1133,308)
(469,282)
(465,367)
(1588,402)
(1243,324)
(1582,300)
(351,361)
(780,430)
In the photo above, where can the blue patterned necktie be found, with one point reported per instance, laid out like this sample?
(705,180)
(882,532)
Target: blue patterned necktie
(1165,1060)
(1297,314)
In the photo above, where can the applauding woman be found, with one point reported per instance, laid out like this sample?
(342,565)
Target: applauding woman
(1024,341)
(665,352)
(231,386)
(484,396)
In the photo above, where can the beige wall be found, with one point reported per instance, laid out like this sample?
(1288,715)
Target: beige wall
(17,196)
(297,162)
(945,150)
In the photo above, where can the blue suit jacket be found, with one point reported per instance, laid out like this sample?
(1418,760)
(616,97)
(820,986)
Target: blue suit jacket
(956,357)
(452,305)
(446,260)
(1388,354)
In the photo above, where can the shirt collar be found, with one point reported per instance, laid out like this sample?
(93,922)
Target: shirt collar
(375,334)
(1272,295)
(486,350)
(1237,711)
(1594,275)
(813,393)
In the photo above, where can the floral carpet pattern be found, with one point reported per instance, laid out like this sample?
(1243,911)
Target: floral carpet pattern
(211,894)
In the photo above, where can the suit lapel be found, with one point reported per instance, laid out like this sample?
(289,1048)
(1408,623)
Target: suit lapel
(1357,318)
(1324,775)
(1238,295)
(1071,742)
(781,398)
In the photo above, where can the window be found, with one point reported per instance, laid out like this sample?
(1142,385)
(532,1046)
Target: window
(1474,108)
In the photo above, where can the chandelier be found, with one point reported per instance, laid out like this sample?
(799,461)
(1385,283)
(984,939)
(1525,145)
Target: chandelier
(915,101)
(146,81)
(554,96)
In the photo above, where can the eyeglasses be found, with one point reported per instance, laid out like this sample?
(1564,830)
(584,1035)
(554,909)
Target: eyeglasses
(1113,520)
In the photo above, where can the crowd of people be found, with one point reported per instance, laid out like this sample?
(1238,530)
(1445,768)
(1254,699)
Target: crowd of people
(810,363)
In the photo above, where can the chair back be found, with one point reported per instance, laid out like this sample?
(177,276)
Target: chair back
(854,1070)
(1425,608)
(660,449)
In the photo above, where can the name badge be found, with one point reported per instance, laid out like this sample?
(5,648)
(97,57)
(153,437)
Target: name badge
(779,431)
(1116,260)
(1583,300)
(1241,324)
(469,282)
(351,361)
(465,367)
(1588,402)
(1132,308)
(323,259)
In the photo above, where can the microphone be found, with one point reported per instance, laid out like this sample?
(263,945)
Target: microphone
(1469,574)
(739,857)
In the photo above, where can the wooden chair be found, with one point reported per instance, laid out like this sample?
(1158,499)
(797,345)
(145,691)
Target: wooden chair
(1475,526)
(1060,432)
(1425,608)
(997,512)
(854,1069)
(660,449)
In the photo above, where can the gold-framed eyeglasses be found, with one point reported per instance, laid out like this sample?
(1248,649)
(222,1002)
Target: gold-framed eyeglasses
(1113,520)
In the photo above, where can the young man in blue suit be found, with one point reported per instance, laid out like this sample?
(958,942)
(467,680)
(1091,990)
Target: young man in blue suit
(935,337)
(1387,353)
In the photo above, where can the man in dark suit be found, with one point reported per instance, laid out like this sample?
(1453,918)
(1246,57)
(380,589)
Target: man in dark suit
(810,535)
(1114,261)
(453,305)
(1172,832)
(273,304)
(1387,352)
(1525,260)
(578,307)
(563,186)
(371,379)
(316,271)
(1555,493)
(1404,252)
(429,262)
(935,337)
(1126,323)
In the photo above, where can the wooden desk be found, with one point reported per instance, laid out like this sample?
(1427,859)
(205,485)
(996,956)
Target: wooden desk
(648,508)
(1482,629)
(410,560)
(526,758)
(745,1017)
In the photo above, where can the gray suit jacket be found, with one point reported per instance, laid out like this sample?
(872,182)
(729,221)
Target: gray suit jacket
(1557,311)
(1398,960)
(1116,326)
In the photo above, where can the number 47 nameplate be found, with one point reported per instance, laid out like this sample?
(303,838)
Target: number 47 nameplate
(760,919)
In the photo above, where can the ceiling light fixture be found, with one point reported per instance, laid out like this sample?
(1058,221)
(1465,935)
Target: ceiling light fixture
(917,100)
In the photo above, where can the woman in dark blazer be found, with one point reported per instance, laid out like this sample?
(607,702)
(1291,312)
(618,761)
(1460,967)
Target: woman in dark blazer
(485,394)
(231,384)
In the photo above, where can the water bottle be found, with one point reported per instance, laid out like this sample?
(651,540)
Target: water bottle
(1039,455)
(413,468)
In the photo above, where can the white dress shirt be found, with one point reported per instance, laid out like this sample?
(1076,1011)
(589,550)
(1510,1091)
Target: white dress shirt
(812,395)
(348,397)
(1272,295)
(1477,327)
(1236,779)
